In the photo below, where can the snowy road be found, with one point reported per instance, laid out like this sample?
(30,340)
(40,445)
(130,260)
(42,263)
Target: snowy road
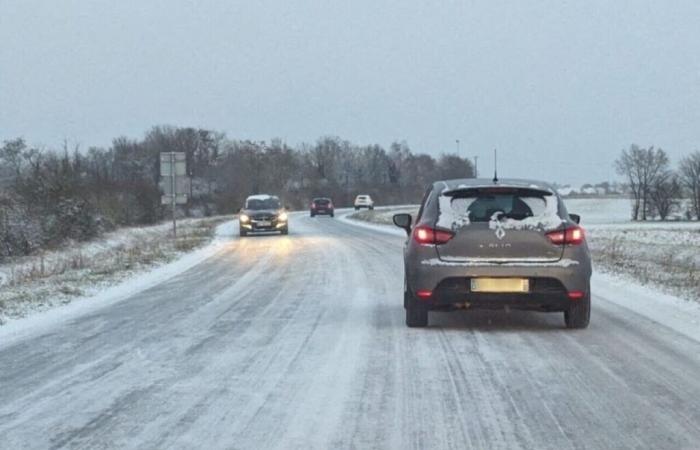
(298,342)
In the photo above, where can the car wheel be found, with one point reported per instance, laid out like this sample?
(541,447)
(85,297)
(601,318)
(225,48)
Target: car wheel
(416,315)
(243,233)
(312,214)
(371,207)
(357,208)
(285,230)
(579,313)
(332,215)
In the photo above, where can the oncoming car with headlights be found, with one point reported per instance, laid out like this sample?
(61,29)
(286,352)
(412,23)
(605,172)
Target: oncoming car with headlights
(495,245)
(263,212)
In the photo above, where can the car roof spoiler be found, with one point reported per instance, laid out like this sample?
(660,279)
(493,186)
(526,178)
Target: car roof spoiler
(533,190)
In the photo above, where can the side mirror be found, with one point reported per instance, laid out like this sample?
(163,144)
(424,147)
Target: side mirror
(403,221)
(575,217)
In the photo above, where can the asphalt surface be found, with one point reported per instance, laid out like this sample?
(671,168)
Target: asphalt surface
(299,342)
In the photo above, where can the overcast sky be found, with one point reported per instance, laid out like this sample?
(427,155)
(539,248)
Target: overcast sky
(558,87)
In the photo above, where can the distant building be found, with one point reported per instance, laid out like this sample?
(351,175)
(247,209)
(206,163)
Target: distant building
(566,191)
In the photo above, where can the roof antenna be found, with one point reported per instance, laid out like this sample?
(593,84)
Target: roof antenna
(495,166)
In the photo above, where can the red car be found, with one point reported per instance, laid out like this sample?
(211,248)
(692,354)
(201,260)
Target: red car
(321,205)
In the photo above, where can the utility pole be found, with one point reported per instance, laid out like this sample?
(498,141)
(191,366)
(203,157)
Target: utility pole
(457,141)
(173,188)
(476,166)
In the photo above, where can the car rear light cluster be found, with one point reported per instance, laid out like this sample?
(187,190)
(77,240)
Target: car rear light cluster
(576,295)
(568,236)
(424,293)
(426,235)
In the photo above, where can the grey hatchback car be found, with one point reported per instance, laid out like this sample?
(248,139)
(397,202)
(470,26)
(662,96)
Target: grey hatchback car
(478,243)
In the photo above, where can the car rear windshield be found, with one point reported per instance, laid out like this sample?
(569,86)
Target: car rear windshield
(322,201)
(462,207)
(263,203)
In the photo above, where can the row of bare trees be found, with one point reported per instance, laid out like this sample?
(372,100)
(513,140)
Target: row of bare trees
(658,190)
(48,196)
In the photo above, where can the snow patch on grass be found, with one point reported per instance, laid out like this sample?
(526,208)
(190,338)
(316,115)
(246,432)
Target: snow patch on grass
(40,282)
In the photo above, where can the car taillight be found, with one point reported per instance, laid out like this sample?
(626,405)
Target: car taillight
(424,293)
(426,235)
(569,236)
(330,205)
(313,206)
(576,295)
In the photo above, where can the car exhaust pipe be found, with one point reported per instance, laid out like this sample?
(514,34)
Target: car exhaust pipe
(464,305)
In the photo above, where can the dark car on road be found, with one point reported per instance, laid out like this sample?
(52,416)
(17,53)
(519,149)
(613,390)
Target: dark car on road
(263,213)
(321,206)
(495,244)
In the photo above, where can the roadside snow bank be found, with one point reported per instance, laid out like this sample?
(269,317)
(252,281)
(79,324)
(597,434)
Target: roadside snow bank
(676,313)
(379,219)
(21,328)
(40,282)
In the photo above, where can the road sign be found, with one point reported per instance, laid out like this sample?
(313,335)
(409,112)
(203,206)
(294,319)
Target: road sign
(180,199)
(174,181)
(178,160)
(182,185)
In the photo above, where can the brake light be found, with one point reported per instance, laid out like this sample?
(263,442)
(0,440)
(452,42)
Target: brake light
(568,236)
(424,293)
(426,235)
(576,295)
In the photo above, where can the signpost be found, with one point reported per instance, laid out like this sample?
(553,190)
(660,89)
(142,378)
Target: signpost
(174,181)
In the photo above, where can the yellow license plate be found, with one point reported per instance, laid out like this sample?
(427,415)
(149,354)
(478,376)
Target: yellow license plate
(501,285)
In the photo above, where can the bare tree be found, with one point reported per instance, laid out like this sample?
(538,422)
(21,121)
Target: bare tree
(689,172)
(642,167)
(664,194)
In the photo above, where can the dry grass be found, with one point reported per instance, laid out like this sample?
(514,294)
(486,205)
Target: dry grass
(37,282)
(667,258)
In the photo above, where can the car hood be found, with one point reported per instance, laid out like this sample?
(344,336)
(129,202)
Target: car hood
(261,212)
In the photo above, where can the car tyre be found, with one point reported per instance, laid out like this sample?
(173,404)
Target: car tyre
(578,316)
(332,214)
(285,231)
(371,207)
(243,233)
(416,315)
(312,214)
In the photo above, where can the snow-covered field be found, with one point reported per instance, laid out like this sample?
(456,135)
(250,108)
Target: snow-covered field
(662,255)
(42,281)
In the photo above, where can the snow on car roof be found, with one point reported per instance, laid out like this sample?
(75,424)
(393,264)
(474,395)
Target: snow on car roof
(261,197)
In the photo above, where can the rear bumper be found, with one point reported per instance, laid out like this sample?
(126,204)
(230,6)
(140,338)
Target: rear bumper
(547,294)
(321,212)
(451,285)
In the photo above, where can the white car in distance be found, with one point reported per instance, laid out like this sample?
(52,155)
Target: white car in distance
(364,201)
